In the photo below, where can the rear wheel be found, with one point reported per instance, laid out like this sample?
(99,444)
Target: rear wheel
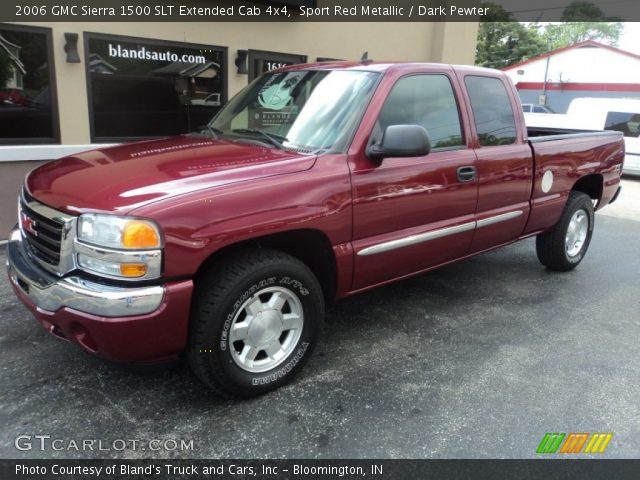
(255,320)
(563,247)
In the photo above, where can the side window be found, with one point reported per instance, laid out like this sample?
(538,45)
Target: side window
(526,108)
(492,111)
(627,123)
(539,110)
(426,100)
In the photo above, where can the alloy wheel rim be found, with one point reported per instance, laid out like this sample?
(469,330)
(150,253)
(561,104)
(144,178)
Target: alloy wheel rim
(576,233)
(265,330)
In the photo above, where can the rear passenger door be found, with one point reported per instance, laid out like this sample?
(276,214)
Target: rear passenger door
(413,213)
(504,162)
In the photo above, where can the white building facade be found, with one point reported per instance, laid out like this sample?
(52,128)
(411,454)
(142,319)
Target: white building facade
(587,69)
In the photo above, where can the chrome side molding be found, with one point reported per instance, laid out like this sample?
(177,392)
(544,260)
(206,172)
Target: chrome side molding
(499,218)
(434,234)
(414,239)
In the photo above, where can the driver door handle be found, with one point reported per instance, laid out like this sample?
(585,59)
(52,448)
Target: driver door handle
(466,174)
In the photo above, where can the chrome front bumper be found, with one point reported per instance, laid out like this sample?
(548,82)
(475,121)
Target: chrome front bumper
(50,293)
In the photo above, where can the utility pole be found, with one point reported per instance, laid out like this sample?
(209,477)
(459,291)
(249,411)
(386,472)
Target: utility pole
(543,98)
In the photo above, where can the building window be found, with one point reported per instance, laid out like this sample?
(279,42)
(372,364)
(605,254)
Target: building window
(141,88)
(28,112)
(262,62)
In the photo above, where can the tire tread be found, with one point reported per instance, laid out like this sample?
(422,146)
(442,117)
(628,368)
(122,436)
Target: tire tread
(550,245)
(213,286)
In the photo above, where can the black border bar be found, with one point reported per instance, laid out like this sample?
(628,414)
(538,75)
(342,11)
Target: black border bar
(323,10)
(168,469)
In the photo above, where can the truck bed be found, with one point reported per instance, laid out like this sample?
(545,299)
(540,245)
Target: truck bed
(546,134)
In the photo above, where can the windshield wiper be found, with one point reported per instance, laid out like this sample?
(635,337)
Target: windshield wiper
(272,138)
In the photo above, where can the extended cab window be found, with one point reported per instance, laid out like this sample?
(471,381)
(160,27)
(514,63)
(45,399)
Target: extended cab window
(426,100)
(492,111)
(627,123)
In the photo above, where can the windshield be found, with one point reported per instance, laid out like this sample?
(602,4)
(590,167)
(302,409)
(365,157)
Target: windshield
(301,110)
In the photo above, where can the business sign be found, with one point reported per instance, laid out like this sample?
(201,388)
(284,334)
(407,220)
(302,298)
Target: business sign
(141,88)
(262,62)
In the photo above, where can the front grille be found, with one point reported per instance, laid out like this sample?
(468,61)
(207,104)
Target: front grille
(43,235)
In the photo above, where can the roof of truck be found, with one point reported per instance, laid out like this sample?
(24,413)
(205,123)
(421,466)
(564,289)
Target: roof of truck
(370,66)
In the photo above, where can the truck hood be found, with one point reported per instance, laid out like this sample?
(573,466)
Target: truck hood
(121,178)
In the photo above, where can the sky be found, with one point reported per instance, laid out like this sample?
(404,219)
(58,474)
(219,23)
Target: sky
(630,39)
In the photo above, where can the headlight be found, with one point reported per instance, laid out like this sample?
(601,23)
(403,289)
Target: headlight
(119,247)
(118,232)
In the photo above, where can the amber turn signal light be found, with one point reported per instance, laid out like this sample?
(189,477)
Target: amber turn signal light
(139,234)
(133,269)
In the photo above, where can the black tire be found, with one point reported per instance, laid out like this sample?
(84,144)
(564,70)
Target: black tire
(219,296)
(550,246)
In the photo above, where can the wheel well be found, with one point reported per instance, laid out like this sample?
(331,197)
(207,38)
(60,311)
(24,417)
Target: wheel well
(311,247)
(591,185)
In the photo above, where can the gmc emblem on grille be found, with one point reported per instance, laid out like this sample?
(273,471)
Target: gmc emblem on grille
(28,224)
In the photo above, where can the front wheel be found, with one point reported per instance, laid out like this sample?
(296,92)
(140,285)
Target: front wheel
(255,320)
(563,247)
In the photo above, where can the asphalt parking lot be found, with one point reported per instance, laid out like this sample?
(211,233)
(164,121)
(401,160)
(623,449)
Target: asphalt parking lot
(478,359)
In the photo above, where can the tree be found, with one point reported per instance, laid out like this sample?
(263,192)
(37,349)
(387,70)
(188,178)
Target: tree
(583,21)
(503,42)
(583,12)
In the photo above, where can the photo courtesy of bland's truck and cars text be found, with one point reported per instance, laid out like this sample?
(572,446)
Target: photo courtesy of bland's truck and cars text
(319,239)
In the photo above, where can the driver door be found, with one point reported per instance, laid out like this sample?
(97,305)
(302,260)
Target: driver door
(410,214)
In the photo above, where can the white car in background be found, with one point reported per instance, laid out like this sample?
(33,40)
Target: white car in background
(620,114)
(532,108)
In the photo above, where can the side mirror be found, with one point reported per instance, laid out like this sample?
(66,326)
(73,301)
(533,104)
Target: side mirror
(401,141)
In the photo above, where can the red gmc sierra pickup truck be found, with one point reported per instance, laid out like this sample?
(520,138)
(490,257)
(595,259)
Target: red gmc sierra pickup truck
(314,183)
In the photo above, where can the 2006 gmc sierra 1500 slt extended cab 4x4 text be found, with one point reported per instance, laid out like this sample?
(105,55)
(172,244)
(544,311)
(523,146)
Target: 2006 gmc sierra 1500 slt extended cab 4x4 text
(314,183)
